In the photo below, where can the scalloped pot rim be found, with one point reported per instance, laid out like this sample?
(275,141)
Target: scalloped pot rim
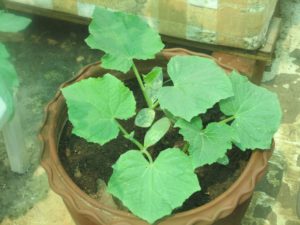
(73,196)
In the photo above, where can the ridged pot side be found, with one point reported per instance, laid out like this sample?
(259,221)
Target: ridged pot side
(227,209)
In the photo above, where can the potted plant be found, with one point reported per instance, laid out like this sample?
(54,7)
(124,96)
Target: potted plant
(152,183)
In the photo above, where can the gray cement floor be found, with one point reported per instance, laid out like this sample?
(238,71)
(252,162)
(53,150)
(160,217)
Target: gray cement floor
(53,51)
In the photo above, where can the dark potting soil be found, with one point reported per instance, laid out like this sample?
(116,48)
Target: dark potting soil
(86,162)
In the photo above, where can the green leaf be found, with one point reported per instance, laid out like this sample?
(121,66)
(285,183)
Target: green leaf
(145,117)
(3,52)
(123,37)
(193,78)
(224,160)
(12,23)
(257,113)
(156,132)
(153,83)
(109,61)
(8,75)
(206,145)
(94,105)
(6,104)
(152,191)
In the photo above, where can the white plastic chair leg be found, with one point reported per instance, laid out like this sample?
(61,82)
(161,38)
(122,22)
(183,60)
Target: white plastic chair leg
(15,144)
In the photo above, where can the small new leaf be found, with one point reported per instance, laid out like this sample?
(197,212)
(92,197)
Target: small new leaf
(12,23)
(207,145)
(130,136)
(153,190)
(153,83)
(193,79)
(94,117)
(257,113)
(156,132)
(123,37)
(224,160)
(144,118)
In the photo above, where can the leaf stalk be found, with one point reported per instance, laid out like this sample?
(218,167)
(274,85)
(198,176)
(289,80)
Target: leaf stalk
(148,155)
(136,142)
(227,119)
(185,147)
(139,79)
(155,105)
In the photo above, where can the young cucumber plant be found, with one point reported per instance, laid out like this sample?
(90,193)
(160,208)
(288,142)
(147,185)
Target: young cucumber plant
(151,188)
(8,76)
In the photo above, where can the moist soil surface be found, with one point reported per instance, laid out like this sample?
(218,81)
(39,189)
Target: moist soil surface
(86,162)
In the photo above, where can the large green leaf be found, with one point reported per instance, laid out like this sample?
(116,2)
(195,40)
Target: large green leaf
(153,83)
(207,145)
(123,37)
(256,110)
(3,52)
(152,191)
(156,132)
(8,75)
(94,105)
(198,84)
(12,23)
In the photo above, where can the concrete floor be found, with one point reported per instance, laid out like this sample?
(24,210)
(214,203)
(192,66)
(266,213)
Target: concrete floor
(53,51)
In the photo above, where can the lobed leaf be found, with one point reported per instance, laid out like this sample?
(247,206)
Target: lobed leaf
(94,105)
(123,37)
(207,145)
(144,118)
(156,132)
(193,79)
(152,191)
(12,23)
(256,110)
(116,62)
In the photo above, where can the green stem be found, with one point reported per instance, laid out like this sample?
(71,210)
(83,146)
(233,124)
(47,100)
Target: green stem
(132,139)
(185,147)
(139,79)
(227,119)
(148,155)
(155,105)
(136,142)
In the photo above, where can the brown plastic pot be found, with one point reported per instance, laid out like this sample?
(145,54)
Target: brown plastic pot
(227,209)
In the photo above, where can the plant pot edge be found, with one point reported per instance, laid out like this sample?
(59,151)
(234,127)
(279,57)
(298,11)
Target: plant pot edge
(56,172)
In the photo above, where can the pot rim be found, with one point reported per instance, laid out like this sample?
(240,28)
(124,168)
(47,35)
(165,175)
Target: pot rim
(47,135)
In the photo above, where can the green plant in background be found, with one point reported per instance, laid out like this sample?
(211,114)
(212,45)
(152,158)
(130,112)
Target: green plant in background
(8,76)
(152,188)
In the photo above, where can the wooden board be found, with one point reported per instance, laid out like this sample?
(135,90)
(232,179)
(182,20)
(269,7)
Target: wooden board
(45,12)
(266,53)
